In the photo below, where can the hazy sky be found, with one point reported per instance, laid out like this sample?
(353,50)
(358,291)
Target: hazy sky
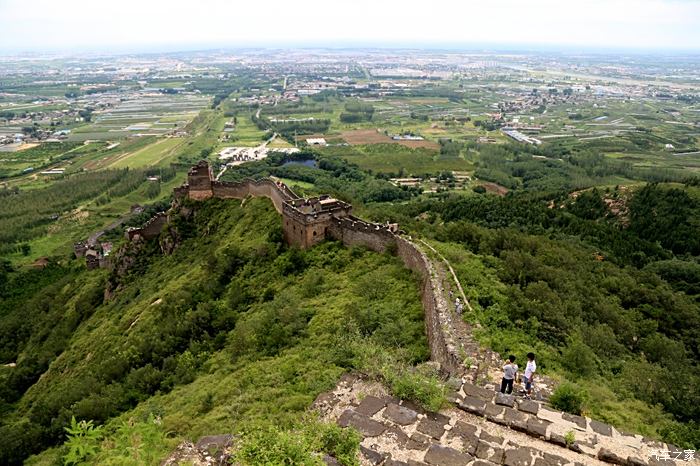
(128,24)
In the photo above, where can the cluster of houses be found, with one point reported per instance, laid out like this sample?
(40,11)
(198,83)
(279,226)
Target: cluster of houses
(39,135)
(96,255)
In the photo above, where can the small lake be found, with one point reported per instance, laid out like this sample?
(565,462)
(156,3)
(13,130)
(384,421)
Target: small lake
(306,162)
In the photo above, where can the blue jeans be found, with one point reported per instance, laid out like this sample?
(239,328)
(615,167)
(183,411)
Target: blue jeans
(528,383)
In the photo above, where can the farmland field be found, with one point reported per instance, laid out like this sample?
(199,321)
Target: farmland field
(395,158)
(152,154)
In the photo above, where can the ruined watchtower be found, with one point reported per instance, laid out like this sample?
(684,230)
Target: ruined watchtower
(306,221)
(199,179)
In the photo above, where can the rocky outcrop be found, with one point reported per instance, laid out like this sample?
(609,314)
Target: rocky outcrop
(212,450)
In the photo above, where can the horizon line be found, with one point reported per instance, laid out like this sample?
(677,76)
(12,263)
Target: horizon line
(453,47)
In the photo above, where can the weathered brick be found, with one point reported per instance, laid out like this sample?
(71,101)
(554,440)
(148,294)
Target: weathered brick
(366,426)
(493,411)
(445,456)
(418,441)
(518,457)
(393,462)
(461,429)
(370,405)
(537,427)
(485,436)
(610,457)
(634,461)
(398,435)
(505,400)
(601,428)
(473,405)
(528,406)
(551,460)
(486,451)
(431,428)
(478,392)
(578,420)
(372,457)
(400,414)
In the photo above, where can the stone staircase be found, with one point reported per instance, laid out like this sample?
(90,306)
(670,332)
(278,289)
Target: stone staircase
(481,428)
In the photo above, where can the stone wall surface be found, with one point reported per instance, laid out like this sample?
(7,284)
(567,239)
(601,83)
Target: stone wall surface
(398,432)
(151,229)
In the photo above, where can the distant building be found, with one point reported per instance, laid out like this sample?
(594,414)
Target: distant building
(54,171)
(316,141)
(406,181)
(520,137)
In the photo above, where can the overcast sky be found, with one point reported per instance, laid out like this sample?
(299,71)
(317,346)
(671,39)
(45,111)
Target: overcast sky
(171,24)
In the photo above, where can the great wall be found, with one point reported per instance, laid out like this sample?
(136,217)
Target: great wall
(481,427)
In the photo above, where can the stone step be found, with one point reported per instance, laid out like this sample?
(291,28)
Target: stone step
(498,429)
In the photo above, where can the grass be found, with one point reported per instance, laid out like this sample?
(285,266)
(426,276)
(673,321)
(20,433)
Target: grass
(391,158)
(245,134)
(296,183)
(153,154)
(241,387)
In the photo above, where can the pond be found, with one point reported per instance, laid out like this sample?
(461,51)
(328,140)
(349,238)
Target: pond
(305,162)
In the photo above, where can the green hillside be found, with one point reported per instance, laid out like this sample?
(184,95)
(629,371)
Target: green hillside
(233,332)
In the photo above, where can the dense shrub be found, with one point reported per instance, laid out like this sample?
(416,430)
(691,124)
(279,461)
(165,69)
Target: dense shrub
(568,398)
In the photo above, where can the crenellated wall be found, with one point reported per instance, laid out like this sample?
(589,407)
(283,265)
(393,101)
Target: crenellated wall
(307,222)
(151,229)
(352,231)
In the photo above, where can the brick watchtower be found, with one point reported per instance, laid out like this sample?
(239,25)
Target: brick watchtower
(306,222)
(199,179)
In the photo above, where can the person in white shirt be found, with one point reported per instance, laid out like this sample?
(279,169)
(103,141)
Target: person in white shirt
(509,372)
(530,370)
